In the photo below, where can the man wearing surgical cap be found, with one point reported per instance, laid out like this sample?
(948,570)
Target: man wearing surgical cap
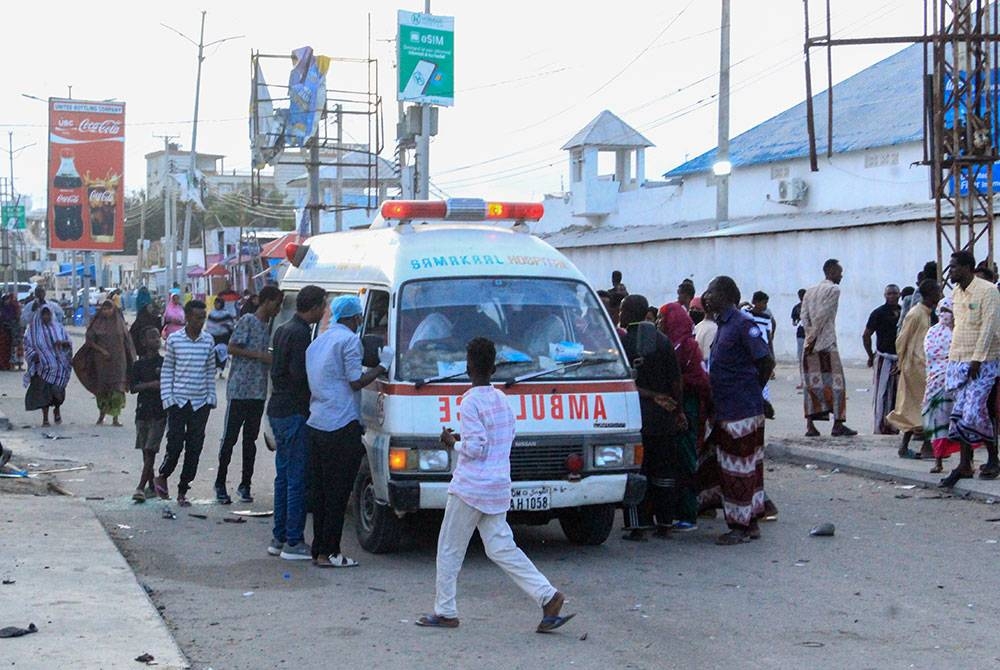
(336,377)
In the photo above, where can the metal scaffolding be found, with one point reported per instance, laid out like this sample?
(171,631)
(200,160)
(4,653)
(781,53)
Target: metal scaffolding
(961,40)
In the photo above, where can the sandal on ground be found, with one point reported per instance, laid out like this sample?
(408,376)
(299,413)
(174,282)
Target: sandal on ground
(936,469)
(139,496)
(435,621)
(733,537)
(812,432)
(908,453)
(843,431)
(754,531)
(341,561)
(551,618)
(770,511)
(953,478)
(989,471)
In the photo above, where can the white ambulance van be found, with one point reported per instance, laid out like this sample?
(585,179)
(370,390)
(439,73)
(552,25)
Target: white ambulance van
(433,275)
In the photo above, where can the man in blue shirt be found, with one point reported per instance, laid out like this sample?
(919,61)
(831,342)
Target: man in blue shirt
(333,365)
(741,366)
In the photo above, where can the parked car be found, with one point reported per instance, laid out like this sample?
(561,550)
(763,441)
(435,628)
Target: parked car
(92,292)
(25,290)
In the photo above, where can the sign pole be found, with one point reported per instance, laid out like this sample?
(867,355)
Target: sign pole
(424,143)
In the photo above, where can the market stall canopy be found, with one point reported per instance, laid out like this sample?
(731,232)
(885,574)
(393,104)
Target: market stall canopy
(216,270)
(196,271)
(276,248)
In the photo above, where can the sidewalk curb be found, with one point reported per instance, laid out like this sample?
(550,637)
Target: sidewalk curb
(966,488)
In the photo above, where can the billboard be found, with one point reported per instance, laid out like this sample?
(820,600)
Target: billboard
(86,211)
(426,58)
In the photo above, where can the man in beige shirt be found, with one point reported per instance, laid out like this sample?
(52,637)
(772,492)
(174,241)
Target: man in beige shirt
(825,390)
(973,365)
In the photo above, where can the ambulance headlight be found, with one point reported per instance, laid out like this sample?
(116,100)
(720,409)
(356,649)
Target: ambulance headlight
(434,460)
(607,456)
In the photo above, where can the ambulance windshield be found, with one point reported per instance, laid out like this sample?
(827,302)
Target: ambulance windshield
(536,324)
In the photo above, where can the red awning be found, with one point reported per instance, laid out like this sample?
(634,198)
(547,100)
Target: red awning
(276,248)
(216,270)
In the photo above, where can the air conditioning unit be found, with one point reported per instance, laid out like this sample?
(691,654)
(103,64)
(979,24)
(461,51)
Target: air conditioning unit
(792,191)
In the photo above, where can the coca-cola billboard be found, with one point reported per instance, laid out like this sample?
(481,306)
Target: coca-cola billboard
(86,163)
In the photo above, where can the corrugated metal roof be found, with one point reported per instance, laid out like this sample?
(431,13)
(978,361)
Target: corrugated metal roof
(879,106)
(596,236)
(607,131)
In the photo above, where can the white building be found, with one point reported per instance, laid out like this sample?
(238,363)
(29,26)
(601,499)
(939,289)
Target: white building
(869,205)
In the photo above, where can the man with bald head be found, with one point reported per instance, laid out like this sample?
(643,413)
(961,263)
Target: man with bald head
(882,323)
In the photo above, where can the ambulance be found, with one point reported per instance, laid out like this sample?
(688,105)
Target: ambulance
(432,275)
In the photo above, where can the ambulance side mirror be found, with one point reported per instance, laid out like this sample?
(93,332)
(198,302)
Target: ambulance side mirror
(371,344)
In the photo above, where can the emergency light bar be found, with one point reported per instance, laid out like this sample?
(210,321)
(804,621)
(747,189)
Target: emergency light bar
(462,209)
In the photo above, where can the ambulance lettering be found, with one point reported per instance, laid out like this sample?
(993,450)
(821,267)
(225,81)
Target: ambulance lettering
(540,407)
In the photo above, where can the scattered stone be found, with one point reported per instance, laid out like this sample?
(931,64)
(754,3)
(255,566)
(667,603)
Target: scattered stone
(823,530)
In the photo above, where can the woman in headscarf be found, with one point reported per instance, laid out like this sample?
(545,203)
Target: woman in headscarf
(10,321)
(173,314)
(938,400)
(48,351)
(146,317)
(677,325)
(104,362)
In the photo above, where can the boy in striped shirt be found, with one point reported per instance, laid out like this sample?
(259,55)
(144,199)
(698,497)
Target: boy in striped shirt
(479,497)
(187,386)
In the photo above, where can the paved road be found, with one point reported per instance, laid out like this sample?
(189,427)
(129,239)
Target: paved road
(906,583)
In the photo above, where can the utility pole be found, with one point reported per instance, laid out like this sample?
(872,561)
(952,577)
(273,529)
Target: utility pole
(186,233)
(423,158)
(722,163)
(140,251)
(13,199)
(169,223)
(338,196)
(313,169)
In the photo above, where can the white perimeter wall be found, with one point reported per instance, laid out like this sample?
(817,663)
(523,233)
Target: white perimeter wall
(778,264)
(842,183)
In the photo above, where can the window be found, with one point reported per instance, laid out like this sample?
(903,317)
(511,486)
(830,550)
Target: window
(377,315)
(536,324)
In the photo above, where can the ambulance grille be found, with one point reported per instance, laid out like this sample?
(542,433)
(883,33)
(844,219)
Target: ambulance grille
(540,462)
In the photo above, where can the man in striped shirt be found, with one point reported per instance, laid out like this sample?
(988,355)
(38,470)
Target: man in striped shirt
(479,497)
(187,387)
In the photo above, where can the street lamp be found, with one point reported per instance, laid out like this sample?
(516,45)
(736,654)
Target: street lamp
(722,168)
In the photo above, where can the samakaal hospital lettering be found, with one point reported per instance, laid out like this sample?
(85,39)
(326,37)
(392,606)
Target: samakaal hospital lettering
(429,262)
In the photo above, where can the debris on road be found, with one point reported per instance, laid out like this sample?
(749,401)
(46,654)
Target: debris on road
(14,631)
(249,512)
(55,471)
(823,530)
(52,436)
(247,594)
(7,582)
(145,658)
(198,516)
(56,488)
(237,520)
(168,513)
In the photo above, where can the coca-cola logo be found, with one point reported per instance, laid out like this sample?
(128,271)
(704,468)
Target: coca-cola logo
(99,198)
(106,127)
(67,198)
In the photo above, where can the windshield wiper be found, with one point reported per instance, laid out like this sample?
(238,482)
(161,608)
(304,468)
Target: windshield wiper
(559,368)
(417,383)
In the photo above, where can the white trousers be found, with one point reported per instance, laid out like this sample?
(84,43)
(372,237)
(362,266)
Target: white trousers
(460,520)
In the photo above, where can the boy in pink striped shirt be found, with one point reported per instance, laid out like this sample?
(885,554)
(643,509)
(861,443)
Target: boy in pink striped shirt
(479,497)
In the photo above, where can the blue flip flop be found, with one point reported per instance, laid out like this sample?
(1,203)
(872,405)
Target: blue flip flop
(550,623)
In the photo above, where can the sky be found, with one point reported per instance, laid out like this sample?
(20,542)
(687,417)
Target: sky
(528,75)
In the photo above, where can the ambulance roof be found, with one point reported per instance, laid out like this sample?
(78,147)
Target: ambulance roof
(391,256)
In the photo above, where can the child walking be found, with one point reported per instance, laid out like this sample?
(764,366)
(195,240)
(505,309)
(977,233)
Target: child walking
(479,497)
(150,417)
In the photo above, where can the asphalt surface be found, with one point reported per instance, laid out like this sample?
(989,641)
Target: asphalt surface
(907,581)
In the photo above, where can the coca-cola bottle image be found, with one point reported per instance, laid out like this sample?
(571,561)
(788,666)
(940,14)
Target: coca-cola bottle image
(68,199)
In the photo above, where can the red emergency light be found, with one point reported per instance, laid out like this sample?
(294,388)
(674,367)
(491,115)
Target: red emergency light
(462,209)
(295,252)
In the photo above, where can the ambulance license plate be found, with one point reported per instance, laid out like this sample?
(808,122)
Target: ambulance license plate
(529,500)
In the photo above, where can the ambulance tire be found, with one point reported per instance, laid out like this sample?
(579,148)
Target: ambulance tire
(376,524)
(588,525)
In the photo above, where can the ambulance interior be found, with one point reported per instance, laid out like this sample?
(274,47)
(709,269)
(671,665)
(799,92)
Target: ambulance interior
(536,323)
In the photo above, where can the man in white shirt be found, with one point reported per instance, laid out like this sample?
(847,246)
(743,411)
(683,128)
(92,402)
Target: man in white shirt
(333,366)
(187,387)
(479,497)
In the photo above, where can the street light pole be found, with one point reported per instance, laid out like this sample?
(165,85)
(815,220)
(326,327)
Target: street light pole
(423,159)
(722,153)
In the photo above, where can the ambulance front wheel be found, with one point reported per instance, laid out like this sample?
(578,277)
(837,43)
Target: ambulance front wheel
(378,528)
(588,525)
